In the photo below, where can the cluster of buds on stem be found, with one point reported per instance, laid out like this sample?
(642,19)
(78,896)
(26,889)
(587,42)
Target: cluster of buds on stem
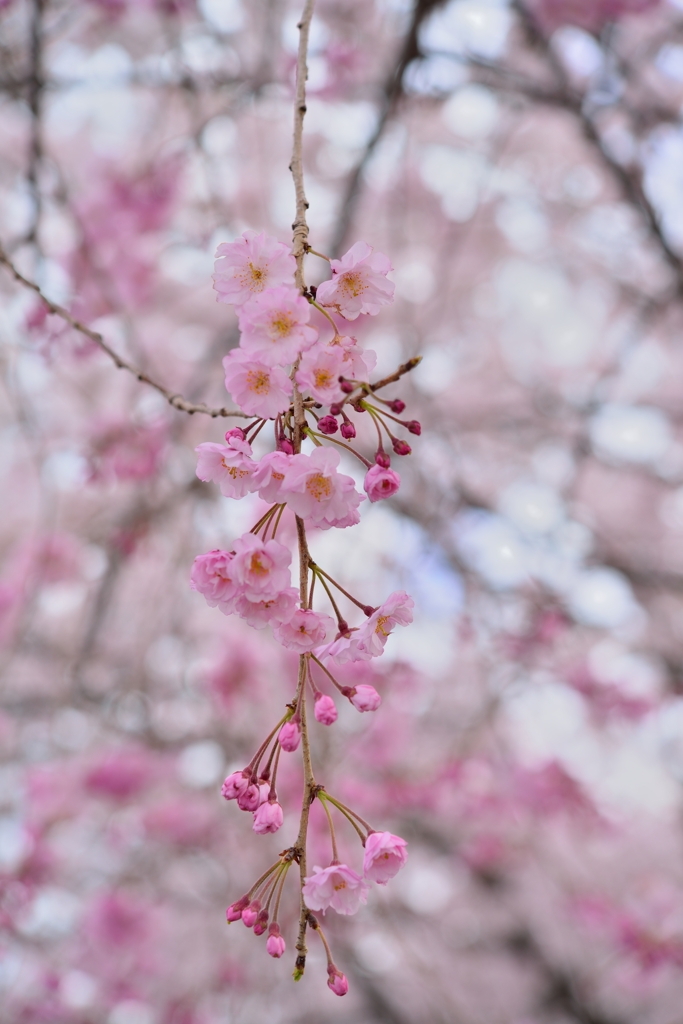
(311,384)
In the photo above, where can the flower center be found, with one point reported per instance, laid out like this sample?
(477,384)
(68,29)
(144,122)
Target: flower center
(258,381)
(381,622)
(257,566)
(233,471)
(322,378)
(280,326)
(353,284)
(257,275)
(319,486)
(340,885)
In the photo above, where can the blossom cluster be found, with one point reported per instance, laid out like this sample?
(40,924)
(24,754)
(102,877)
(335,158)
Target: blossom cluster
(310,383)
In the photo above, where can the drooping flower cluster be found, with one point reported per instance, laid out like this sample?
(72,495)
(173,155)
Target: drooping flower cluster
(310,382)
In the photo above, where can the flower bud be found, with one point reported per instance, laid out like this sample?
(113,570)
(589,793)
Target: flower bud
(365,698)
(401,447)
(347,387)
(285,445)
(336,981)
(235,432)
(275,944)
(250,913)
(261,923)
(382,459)
(290,736)
(268,818)
(325,710)
(348,431)
(250,798)
(328,425)
(397,406)
(234,911)
(414,426)
(335,409)
(235,785)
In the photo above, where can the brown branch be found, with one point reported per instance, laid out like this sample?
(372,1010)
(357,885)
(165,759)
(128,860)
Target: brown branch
(403,368)
(176,400)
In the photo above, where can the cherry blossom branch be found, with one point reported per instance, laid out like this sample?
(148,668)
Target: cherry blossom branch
(177,401)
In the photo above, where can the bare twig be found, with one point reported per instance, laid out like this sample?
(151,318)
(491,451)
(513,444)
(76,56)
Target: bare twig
(176,400)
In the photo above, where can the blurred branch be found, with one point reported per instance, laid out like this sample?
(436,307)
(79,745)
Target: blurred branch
(175,400)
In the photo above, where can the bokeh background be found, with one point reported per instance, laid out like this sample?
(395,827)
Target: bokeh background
(521,163)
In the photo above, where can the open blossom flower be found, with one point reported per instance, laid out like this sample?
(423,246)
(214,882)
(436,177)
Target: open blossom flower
(338,886)
(319,372)
(268,818)
(381,483)
(274,326)
(358,362)
(315,490)
(262,569)
(325,710)
(385,855)
(305,630)
(397,610)
(227,465)
(213,576)
(359,282)
(269,474)
(259,390)
(273,611)
(250,264)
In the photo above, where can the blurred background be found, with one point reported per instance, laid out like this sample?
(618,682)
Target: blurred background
(521,163)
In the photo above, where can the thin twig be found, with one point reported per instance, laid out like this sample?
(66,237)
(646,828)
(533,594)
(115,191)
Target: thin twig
(176,400)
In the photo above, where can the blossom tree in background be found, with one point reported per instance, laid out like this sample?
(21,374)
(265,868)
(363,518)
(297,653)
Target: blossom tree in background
(520,164)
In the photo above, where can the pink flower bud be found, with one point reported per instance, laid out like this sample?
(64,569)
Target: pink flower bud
(261,923)
(348,431)
(365,697)
(382,459)
(250,913)
(275,944)
(290,736)
(235,785)
(328,425)
(401,447)
(337,981)
(335,409)
(381,483)
(325,709)
(268,818)
(235,432)
(346,386)
(285,445)
(414,426)
(250,798)
(234,911)
(397,406)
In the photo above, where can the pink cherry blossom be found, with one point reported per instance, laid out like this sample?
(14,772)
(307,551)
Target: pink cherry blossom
(268,818)
(359,282)
(338,886)
(274,326)
(250,264)
(260,614)
(275,944)
(269,474)
(319,372)
(315,490)
(397,610)
(336,981)
(352,519)
(213,576)
(290,736)
(305,630)
(259,390)
(358,362)
(251,913)
(381,483)
(364,697)
(227,466)
(261,569)
(250,799)
(385,855)
(325,710)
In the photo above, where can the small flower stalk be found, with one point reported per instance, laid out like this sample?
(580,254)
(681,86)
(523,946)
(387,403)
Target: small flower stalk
(304,379)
